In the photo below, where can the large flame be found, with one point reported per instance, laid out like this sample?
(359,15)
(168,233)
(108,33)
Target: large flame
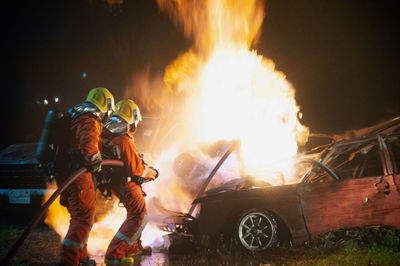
(230,91)
(215,23)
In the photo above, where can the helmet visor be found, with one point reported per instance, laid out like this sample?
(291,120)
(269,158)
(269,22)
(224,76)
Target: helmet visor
(136,116)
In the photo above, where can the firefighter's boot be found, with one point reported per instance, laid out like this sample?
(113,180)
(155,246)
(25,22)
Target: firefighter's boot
(145,251)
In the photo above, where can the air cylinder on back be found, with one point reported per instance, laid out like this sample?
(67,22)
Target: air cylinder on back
(44,152)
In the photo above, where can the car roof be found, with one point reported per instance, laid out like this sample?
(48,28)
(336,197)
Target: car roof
(359,135)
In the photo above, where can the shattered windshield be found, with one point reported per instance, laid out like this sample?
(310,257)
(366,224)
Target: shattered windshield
(349,160)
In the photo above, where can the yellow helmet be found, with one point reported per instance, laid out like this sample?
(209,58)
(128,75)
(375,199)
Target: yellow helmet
(129,111)
(102,99)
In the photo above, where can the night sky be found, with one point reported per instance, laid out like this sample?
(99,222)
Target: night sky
(340,55)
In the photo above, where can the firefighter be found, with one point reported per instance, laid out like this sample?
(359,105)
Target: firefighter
(119,142)
(84,150)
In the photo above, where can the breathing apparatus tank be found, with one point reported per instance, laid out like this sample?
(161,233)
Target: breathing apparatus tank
(45,152)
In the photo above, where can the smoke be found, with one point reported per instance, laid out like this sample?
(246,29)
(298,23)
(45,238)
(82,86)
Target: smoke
(147,91)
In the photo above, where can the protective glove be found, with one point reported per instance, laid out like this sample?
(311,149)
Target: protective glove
(94,165)
(154,172)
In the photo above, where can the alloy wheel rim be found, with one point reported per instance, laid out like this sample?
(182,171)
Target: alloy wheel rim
(256,231)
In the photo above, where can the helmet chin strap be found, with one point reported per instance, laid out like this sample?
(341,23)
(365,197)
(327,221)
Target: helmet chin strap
(132,127)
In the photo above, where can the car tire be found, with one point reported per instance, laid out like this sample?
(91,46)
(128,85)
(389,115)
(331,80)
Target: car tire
(255,230)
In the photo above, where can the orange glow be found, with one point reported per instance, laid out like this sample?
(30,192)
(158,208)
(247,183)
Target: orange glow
(57,216)
(103,230)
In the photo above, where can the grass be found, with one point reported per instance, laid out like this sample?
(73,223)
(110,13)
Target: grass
(352,254)
(376,246)
(383,251)
(40,248)
(359,246)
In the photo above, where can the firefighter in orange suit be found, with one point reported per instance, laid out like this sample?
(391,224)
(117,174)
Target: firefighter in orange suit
(117,133)
(79,197)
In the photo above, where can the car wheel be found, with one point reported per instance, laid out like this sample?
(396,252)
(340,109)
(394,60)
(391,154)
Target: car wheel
(256,230)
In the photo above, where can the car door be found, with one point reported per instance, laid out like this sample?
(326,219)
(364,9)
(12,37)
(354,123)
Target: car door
(363,194)
(393,145)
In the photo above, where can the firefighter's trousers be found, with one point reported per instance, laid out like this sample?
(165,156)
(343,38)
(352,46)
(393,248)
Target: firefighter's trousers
(79,199)
(127,240)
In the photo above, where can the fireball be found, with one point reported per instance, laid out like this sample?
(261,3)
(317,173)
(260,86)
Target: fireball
(230,91)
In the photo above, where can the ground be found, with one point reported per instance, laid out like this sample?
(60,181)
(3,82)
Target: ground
(357,246)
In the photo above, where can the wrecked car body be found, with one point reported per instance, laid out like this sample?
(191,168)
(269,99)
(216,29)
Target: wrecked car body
(353,181)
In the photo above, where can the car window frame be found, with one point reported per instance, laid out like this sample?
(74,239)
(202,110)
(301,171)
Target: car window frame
(395,167)
(383,152)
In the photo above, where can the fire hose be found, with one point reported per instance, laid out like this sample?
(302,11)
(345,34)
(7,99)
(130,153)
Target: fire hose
(45,206)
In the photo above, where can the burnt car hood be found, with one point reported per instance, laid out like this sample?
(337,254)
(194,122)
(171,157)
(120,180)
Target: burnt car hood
(266,192)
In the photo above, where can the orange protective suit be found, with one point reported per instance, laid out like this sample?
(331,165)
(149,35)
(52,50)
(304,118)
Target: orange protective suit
(127,240)
(79,197)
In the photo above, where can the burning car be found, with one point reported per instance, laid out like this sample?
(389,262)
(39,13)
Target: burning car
(353,181)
